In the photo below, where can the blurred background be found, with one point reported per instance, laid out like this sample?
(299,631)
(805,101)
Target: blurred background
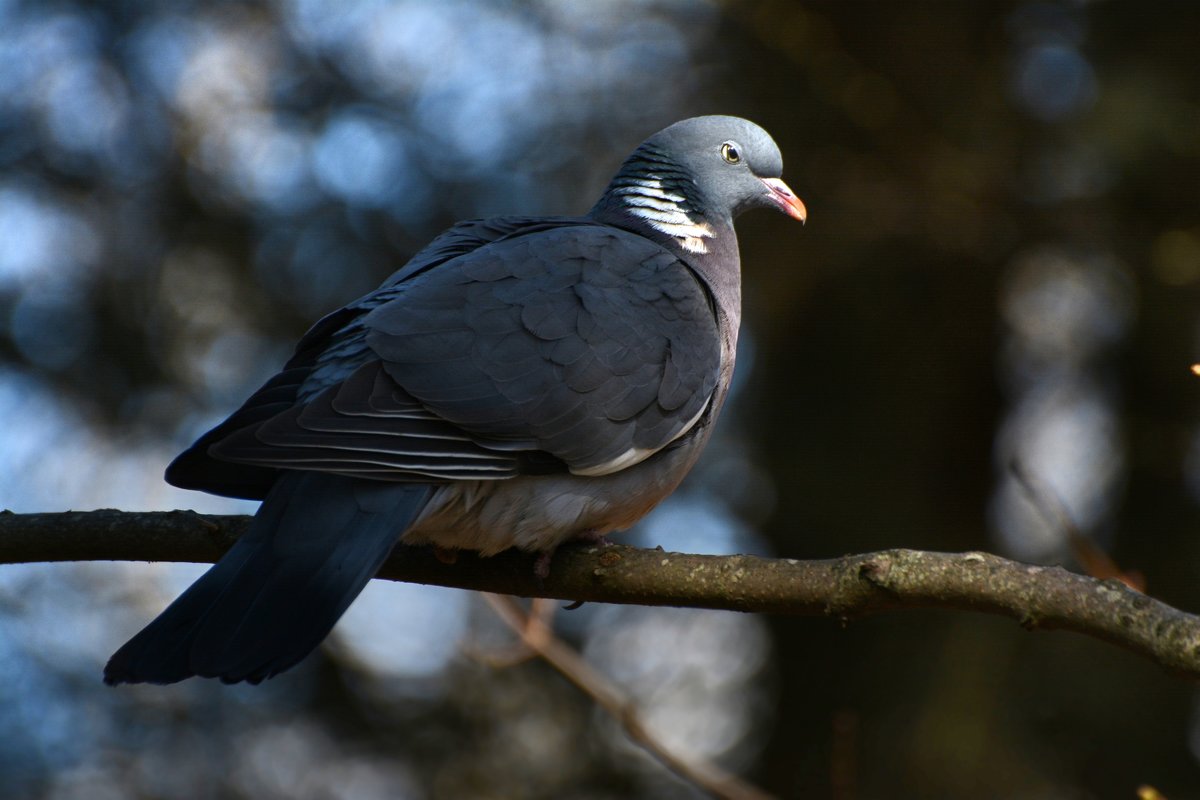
(1002,262)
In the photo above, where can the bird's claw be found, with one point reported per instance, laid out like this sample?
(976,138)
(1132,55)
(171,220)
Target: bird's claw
(446,555)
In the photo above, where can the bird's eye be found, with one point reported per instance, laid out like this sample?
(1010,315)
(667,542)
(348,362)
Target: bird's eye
(731,153)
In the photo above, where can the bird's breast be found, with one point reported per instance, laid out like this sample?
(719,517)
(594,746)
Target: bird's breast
(536,513)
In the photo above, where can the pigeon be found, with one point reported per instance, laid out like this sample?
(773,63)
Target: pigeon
(521,382)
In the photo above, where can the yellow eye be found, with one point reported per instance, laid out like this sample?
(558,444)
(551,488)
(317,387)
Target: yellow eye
(731,153)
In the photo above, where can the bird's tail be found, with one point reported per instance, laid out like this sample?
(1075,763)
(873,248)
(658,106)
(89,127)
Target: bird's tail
(310,550)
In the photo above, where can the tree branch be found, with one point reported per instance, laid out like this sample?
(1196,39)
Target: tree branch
(851,586)
(536,634)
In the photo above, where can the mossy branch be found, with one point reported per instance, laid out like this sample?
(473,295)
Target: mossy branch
(1037,597)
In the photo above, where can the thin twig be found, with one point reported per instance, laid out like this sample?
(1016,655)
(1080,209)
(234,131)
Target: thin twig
(1050,505)
(541,611)
(537,636)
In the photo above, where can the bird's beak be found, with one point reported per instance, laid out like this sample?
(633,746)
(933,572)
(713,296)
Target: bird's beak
(783,197)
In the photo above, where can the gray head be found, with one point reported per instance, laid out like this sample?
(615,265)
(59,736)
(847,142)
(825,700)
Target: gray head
(699,174)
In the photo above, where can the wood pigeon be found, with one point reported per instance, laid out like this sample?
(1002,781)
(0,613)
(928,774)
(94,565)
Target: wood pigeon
(521,382)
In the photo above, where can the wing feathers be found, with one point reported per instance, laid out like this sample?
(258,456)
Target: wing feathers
(588,344)
(582,340)
(338,432)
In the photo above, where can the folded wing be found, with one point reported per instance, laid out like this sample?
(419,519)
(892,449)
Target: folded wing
(583,348)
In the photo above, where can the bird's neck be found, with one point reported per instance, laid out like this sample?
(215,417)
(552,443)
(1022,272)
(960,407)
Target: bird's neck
(655,196)
(709,247)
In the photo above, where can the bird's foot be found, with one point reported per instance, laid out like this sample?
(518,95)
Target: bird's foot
(446,555)
(591,536)
(541,566)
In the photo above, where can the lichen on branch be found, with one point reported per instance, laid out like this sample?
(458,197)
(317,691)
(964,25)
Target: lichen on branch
(1038,597)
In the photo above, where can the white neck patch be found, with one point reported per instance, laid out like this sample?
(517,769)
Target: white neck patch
(646,198)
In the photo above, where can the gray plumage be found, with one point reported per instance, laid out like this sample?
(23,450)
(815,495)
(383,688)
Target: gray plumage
(519,383)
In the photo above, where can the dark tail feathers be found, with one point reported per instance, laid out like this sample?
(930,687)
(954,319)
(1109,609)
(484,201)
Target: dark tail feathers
(312,547)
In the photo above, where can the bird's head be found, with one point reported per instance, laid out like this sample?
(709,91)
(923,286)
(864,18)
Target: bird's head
(734,163)
(690,180)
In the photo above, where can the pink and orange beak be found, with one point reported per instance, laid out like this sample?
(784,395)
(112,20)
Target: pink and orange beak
(786,199)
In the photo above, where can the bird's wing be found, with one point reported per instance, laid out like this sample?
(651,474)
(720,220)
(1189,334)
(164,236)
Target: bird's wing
(588,347)
(315,363)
